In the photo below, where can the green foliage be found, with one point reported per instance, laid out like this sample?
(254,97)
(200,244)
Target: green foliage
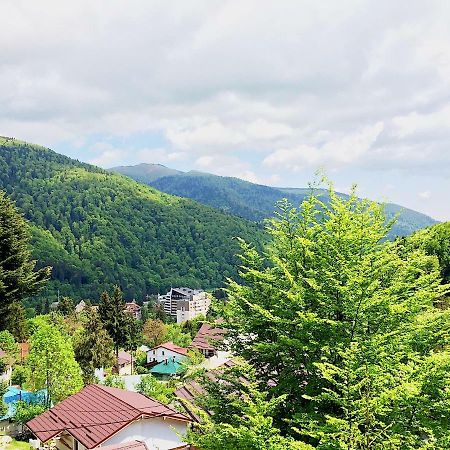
(17,323)
(98,229)
(25,411)
(177,335)
(159,390)
(52,363)
(435,241)
(240,417)
(343,324)
(66,306)
(114,381)
(93,346)
(192,326)
(154,332)
(3,405)
(18,277)
(20,375)
(113,316)
(9,345)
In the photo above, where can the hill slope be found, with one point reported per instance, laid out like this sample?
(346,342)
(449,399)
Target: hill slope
(96,228)
(256,202)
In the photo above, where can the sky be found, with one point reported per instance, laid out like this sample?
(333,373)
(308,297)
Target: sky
(267,91)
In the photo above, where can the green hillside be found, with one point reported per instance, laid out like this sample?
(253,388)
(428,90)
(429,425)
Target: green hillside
(96,228)
(253,201)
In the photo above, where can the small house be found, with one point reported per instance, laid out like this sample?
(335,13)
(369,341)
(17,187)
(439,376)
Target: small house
(110,418)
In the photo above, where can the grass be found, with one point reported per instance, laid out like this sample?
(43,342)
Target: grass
(17,445)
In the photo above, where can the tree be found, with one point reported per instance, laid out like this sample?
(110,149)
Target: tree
(344,324)
(150,386)
(93,346)
(235,414)
(3,405)
(66,306)
(26,411)
(52,364)
(18,277)
(177,335)
(114,318)
(154,332)
(20,375)
(114,381)
(17,322)
(9,346)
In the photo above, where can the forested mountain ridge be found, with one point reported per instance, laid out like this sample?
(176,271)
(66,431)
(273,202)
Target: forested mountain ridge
(97,229)
(253,201)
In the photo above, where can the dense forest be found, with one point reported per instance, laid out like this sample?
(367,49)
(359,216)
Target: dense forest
(97,229)
(249,200)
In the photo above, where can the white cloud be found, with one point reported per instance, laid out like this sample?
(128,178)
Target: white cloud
(425,195)
(347,150)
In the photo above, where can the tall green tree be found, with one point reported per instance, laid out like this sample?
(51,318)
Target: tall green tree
(17,322)
(114,318)
(344,324)
(93,346)
(52,364)
(66,306)
(18,277)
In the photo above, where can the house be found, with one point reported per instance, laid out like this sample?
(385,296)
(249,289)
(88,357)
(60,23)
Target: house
(80,307)
(105,417)
(134,310)
(205,339)
(6,371)
(185,303)
(125,363)
(166,351)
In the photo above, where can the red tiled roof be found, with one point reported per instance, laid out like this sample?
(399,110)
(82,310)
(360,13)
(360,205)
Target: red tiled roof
(96,413)
(131,445)
(124,358)
(174,348)
(205,336)
(132,306)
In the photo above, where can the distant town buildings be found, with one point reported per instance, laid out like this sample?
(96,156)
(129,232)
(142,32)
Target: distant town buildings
(185,303)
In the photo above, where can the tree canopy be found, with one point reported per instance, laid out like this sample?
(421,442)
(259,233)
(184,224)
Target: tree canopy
(346,327)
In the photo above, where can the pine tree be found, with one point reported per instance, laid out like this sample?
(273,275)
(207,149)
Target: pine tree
(18,277)
(113,316)
(93,346)
(17,322)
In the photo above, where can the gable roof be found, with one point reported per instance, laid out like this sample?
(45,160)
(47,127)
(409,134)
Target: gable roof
(206,336)
(174,348)
(124,358)
(96,413)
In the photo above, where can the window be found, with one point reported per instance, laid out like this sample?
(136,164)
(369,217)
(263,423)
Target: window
(163,352)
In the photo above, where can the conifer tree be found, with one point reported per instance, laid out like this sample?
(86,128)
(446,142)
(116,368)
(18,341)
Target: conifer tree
(93,346)
(18,277)
(17,322)
(113,316)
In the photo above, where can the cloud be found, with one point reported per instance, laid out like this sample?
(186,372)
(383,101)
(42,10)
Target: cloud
(347,150)
(425,195)
(270,93)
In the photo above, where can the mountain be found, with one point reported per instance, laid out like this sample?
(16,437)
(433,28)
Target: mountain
(254,201)
(98,229)
(146,173)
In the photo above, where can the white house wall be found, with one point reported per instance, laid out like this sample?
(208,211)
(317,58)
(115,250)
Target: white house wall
(161,354)
(157,433)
